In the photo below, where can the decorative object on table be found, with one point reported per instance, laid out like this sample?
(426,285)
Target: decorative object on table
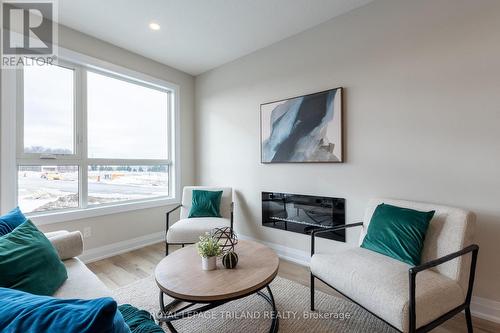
(303,129)
(208,248)
(226,237)
(230,260)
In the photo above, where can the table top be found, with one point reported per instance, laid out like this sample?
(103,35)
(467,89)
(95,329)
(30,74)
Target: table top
(180,276)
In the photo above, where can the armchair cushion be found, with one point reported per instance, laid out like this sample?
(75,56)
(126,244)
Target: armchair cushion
(398,232)
(205,204)
(190,230)
(380,284)
(225,205)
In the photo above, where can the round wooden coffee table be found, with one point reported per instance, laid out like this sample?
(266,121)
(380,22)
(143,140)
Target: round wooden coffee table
(179,275)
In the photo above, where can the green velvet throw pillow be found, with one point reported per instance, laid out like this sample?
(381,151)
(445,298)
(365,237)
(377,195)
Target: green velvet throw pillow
(29,262)
(398,232)
(205,204)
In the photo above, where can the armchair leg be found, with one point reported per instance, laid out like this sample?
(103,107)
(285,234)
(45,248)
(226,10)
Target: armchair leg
(166,249)
(312,292)
(468,318)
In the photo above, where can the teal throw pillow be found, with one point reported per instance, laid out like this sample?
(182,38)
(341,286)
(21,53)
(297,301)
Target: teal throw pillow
(398,232)
(27,313)
(205,204)
(29,262)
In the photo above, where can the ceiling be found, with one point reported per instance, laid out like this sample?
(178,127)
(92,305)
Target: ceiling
(197,35)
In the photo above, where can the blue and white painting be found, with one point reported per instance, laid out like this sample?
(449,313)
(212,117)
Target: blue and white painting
(303,129)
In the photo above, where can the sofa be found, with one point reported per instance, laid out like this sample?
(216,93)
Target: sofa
(82,283)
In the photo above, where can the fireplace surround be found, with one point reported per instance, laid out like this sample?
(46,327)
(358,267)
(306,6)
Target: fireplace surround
(303,213)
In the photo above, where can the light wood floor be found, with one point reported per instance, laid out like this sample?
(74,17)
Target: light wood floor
(126,268)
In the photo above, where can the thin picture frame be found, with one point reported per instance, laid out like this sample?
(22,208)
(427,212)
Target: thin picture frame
(342,158)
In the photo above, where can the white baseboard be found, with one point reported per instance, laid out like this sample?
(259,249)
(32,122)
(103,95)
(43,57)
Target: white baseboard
(480,307)
(114,249)
(485,309)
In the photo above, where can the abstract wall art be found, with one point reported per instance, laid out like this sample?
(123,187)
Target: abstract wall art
(303,129)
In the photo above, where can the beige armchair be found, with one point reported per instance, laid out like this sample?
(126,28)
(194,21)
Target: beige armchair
(188,231)
(411,299)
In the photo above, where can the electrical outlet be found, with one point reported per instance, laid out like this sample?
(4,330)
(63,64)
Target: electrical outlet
(87,232)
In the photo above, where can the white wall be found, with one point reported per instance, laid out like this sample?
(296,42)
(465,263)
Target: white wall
(114,228)
(422,108)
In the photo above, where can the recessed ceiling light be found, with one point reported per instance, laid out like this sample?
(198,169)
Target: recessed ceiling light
(154,26)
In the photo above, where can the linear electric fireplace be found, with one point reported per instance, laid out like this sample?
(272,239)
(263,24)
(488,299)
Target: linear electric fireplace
(303,213)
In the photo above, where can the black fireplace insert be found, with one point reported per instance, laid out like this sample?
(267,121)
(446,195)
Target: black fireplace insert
(303,213)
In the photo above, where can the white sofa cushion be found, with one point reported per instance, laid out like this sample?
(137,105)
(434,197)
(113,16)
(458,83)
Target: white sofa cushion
(190,230)
(81,283)
(380,284)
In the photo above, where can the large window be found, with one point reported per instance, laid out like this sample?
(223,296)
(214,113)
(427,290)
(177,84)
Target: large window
(87,137)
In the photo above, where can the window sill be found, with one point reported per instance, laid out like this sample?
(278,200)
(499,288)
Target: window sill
(83,213)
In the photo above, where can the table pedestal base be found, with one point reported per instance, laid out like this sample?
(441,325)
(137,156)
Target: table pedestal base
(167,315)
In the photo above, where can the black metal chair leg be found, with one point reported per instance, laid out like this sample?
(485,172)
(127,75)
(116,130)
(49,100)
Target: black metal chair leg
(166,249)
(312,292)
(468,318)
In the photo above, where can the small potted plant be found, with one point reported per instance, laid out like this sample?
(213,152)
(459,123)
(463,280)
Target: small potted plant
(208,249)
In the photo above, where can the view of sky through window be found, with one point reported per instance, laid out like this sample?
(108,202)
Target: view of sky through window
(48,110)
(126,120)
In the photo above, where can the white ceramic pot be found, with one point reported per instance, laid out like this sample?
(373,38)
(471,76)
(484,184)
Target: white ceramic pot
(208,263)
